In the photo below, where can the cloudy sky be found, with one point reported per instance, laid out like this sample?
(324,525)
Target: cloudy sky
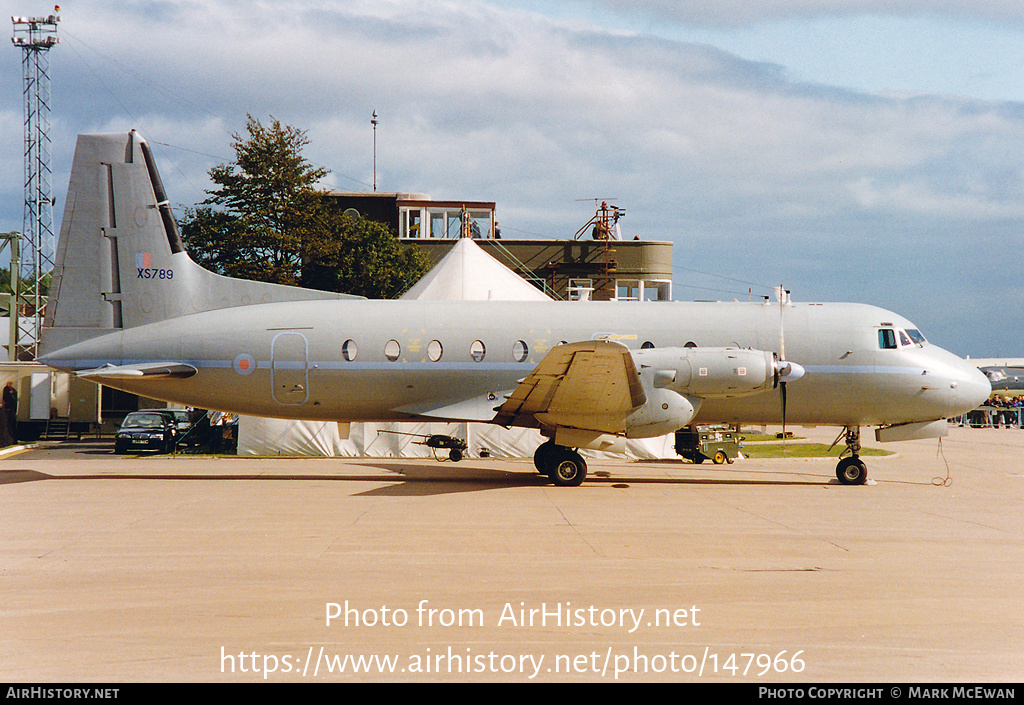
(851,150)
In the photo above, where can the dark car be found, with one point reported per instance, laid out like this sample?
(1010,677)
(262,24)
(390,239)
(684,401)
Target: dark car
(146,430)
(182,421)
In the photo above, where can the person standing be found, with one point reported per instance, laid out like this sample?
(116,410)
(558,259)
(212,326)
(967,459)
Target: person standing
(10,402)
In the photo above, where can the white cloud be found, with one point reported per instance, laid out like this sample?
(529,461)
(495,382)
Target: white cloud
(742,12)
(751,174)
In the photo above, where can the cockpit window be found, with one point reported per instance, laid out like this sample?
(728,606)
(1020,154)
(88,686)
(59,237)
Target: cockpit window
(893,338)
(916,336)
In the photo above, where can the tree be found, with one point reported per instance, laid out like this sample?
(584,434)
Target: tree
(354,255)
(267,221)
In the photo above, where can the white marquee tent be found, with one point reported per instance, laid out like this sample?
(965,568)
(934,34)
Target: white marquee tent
(467,273)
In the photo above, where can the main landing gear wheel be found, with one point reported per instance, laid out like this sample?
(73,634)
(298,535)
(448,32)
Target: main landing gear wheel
(566,468)
(852,471)
(542,457)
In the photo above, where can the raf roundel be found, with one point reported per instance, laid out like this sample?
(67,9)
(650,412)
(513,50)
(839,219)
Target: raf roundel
(244,364)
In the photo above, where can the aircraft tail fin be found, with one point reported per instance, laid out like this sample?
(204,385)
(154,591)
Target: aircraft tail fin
(120,261)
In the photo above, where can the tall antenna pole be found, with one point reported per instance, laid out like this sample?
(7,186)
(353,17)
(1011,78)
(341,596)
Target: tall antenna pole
(373,121)
(35,36)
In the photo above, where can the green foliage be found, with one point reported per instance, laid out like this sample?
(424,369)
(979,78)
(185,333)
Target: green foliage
(268,222)
(800,450)
(24,284)
(359,256)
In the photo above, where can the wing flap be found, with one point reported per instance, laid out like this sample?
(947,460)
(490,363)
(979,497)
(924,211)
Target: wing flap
(590,385)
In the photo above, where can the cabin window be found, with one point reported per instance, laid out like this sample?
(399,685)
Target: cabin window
(392,350)
(477,350)
(349,350)
(520,351)
(434,350)
(887,339)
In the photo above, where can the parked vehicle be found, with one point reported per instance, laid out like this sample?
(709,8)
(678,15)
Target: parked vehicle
(720,444)
(155,429)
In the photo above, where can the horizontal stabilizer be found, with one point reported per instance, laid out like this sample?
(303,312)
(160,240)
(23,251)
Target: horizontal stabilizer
(155,370)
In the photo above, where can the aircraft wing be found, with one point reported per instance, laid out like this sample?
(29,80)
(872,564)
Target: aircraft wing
(149,369)
(590,385)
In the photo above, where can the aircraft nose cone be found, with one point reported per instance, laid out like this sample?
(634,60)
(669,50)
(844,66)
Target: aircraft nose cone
(973,387)
(790,371)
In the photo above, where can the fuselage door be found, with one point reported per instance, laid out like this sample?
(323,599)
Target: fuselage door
(289,354)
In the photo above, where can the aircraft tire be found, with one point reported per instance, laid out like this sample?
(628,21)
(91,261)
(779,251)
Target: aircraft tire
(542,457)
(567,468)
(852,471)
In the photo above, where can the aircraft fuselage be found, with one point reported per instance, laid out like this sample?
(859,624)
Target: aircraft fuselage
(356,360)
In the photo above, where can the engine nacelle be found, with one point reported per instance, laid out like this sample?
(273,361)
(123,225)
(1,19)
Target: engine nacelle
(666,411)
(707,373)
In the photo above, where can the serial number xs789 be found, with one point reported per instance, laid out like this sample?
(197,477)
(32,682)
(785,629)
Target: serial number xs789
(154,273)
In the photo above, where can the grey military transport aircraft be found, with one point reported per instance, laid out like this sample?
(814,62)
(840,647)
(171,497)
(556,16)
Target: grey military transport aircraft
(131,310)
(1003,373)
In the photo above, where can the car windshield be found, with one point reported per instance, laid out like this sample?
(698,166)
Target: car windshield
(143,421)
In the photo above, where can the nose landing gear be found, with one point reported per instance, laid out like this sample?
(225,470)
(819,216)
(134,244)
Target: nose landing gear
(851,470)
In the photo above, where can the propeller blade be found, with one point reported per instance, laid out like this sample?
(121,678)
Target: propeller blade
(785,371)
(782,389)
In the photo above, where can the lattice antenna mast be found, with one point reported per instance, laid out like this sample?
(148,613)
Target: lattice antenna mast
(35,36)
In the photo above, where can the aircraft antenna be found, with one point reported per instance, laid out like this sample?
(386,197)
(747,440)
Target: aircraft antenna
(35,36)
(373,121)
(603,227)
